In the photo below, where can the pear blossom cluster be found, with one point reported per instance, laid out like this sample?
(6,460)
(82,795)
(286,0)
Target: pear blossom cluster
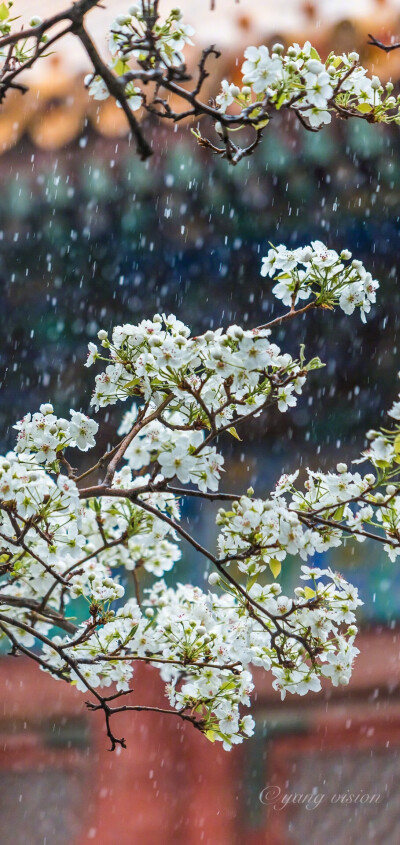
(298,79)
(39,535)
(129,36)
(146,48)
(206,643)
(108,546)
(151,43)
(72,547)
(185,456)
(258,533)
(174,627)
(24,51)
(147,71)
(329,277)
(206,383)
(147,541)
(62,542)
(43,436)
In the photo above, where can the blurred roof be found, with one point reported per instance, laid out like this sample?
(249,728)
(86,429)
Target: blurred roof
(227,22)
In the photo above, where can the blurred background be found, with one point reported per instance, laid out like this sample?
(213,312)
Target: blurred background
(91,237)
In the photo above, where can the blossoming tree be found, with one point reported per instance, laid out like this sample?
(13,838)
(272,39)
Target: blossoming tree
(147,66)
(69,535)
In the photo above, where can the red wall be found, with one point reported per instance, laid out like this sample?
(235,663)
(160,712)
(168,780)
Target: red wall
(171,785)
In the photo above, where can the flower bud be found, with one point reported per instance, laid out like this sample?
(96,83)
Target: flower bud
(121,20)
(46,408)
(102,334)
(35,21)
(235,332)
(314,66)
(213,579)
(375,83)
(341,467)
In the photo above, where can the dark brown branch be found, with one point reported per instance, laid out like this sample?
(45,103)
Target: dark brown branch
(50,616)
(374,42)
(142,421)
(115,88)
(288,316)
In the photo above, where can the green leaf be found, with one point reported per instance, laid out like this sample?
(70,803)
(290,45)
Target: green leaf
(314,54)
(133,383)
(259,124)
(4,12)
(396,444)
(364,108)
(309,593)
(228,686)
(280,101)
(315,364)
(211,735)
(275,566)
(132,633)
(251,581)
(233,432)
(121,67)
